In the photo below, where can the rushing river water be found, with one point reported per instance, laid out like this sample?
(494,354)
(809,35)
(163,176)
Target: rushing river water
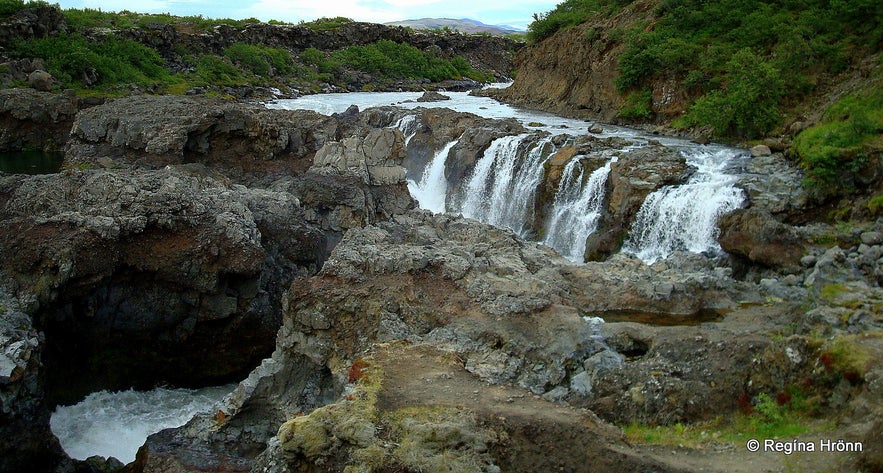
(501,190)
(116,424)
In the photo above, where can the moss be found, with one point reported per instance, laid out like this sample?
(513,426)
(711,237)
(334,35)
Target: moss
(362,439)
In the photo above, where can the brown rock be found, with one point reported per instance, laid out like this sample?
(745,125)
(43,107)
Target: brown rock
(754,234)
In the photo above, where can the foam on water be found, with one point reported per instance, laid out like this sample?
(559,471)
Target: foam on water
(577,209)
(116,424)
(432,189)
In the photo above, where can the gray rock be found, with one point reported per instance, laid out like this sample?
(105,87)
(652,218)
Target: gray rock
(432,96)
(761,150)
(41,80)
(872,238)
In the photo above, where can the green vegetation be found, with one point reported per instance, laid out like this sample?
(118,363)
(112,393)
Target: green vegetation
(79,63)
(11,7)
(875,205)
(323,24)
(570,13)
(734,54)
(840,146)
(93,56)
(638,105)
(785,415)
(260,60)
(392,61)
(80,19)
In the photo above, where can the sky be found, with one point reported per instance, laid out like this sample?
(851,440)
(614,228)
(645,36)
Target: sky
(495,12)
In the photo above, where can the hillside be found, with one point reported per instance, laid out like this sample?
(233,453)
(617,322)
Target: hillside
(116,53)
(736,71)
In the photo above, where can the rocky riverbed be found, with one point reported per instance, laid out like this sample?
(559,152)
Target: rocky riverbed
(191,241)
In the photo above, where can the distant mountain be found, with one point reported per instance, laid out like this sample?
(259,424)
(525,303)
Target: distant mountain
(464,24)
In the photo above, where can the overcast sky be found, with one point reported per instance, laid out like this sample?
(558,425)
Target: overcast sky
(497,12)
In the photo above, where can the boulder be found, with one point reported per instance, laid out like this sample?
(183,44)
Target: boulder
(756,235)
(760,150)
(432,96)
(41,80)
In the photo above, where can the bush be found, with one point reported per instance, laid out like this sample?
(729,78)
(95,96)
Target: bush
(696,41)
(216,70)
(569,13)
(260,60)
(324,23)
(638,105)
(836,149)
(77,62)
(393,61)
(747,104)
(11,7)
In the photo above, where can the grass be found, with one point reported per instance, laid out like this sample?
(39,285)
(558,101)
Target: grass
(834,152)
(785,415)
(569,13)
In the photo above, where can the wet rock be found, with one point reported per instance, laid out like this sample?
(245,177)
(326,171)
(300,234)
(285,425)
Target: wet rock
(761,150)
(432,96)
(632,178)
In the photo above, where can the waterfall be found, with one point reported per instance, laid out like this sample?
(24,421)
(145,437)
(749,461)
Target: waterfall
(432,189)
(502,188)
(684,218)
(576,209)
(408,126)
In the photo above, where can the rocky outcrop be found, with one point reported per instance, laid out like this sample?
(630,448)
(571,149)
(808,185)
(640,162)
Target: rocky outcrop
(159,260)
(754,234)
(572,72)
(505,308)
(632,178)
(29,23)
(35,120)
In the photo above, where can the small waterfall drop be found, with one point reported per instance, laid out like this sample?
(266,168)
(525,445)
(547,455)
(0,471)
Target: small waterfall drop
(432,189)
(577,208)
(684,218)
(408,126)
(502,188)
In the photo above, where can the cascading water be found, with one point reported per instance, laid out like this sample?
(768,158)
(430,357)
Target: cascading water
(684,218)
(502,187)
(117,424)
(408,126)
(577,209)
(432,189)
(503,184)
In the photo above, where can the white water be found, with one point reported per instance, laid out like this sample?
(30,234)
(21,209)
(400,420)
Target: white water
(577,209)
(432,189)
(408,127)
(502,187)
(117,424)
(684,218)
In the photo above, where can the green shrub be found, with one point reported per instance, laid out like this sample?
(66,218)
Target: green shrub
(393,61)
(260,60)
(748,103)
(569,13)
(696,40)
(875,205)
(111,61)
(839,147)
(216,70)
(638,105)
(324,23)
(11,7)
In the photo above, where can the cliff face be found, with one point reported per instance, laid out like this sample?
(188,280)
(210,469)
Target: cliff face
(572,72)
